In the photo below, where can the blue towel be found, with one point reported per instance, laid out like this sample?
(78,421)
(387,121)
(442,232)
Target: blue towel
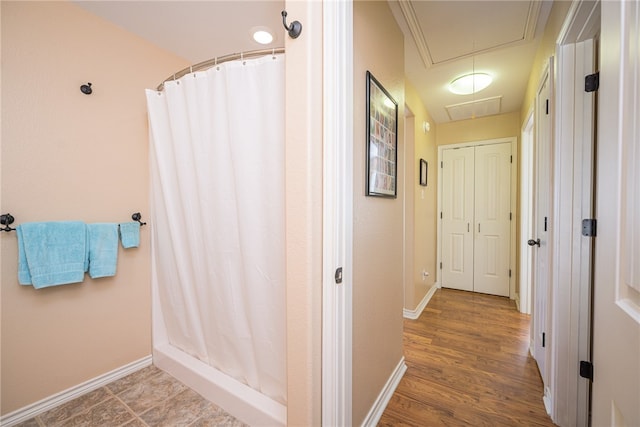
(51,253)
(130,234)
(103,249)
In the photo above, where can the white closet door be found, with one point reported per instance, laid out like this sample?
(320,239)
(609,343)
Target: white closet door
(492,219)
(457,218)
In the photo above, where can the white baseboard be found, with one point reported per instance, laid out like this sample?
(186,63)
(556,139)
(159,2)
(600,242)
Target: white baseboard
(517,300)
(381,402)
(48,403)
(547,400)
(414,314)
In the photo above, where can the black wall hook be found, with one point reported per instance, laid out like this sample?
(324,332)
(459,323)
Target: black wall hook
(86,89)
(6,220)
(294,29)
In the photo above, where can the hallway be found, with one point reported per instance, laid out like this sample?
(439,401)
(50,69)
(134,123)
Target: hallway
(468,364)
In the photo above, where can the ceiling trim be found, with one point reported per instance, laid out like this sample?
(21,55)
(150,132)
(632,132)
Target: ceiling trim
(532,20)
(422,47)
(416,32)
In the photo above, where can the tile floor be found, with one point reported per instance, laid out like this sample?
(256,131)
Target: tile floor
(148,397)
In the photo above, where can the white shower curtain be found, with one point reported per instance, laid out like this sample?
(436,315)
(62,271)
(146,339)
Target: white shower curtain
(217,162)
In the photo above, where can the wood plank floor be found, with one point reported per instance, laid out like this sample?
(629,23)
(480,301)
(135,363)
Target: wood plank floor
(468,364)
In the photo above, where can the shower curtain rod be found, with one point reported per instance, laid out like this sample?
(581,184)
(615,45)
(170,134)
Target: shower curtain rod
(219,60)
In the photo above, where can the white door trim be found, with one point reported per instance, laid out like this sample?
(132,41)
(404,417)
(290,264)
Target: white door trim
(526,213)
(514,206)
(571,302)
(337,212)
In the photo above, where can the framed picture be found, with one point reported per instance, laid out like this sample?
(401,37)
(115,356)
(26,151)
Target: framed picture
(382,141)
(423,172)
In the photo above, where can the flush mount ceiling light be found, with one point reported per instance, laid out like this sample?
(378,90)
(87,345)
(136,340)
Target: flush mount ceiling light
(470,83)
(262,36)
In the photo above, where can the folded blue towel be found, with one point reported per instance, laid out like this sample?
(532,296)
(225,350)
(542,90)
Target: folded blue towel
(103,249)
(130,234)
(51,253)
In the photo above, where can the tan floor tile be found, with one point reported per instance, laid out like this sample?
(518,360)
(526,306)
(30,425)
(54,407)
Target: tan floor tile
(150,392)
(124,383)
(57,416)
(135,423)
(221,419)
(180,410)
(32,422)
(111,413)
(161,399)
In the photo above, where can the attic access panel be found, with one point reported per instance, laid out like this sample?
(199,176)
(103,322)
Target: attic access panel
(446,25)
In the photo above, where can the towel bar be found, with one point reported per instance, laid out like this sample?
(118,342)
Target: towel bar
(7,219)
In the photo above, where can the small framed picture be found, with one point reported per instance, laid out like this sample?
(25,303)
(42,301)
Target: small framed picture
(423,172)
(382,141)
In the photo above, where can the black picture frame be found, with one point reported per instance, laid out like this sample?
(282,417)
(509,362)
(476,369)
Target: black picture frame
(424,171)
(382,141)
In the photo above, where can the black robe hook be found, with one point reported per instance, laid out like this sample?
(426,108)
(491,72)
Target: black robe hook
(294,29)
(86,89)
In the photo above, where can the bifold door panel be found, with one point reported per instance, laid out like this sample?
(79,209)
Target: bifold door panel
(457,211)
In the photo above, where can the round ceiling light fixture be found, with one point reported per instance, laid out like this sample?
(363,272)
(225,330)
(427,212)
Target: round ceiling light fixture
(470,83)
(262,36)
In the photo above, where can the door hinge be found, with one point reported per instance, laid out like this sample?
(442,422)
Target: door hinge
(589,227)
(441,165)
(545,223)
(440,214)
(440,266)
(511,159)
(509,272)
(338,275)
(592,82)
(547,106)
(543,339)
(510,216)
(586,370)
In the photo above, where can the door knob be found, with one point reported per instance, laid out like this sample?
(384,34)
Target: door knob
(532,242)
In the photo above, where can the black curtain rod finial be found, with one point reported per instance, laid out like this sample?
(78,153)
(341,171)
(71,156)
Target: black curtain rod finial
(294,29)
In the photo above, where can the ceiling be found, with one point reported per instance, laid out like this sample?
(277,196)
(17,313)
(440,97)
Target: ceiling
(448,39)
(443,40)
(195,30)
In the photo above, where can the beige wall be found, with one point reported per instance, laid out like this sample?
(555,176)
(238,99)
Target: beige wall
(498,126)
(69,156)
(304,216)
(378,222)
(424,201)
(546,49)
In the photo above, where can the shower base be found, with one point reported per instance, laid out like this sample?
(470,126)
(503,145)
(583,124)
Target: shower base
(238,399)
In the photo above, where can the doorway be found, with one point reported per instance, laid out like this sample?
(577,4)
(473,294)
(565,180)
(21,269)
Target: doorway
(476,227)
(541,239)
(574,180)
